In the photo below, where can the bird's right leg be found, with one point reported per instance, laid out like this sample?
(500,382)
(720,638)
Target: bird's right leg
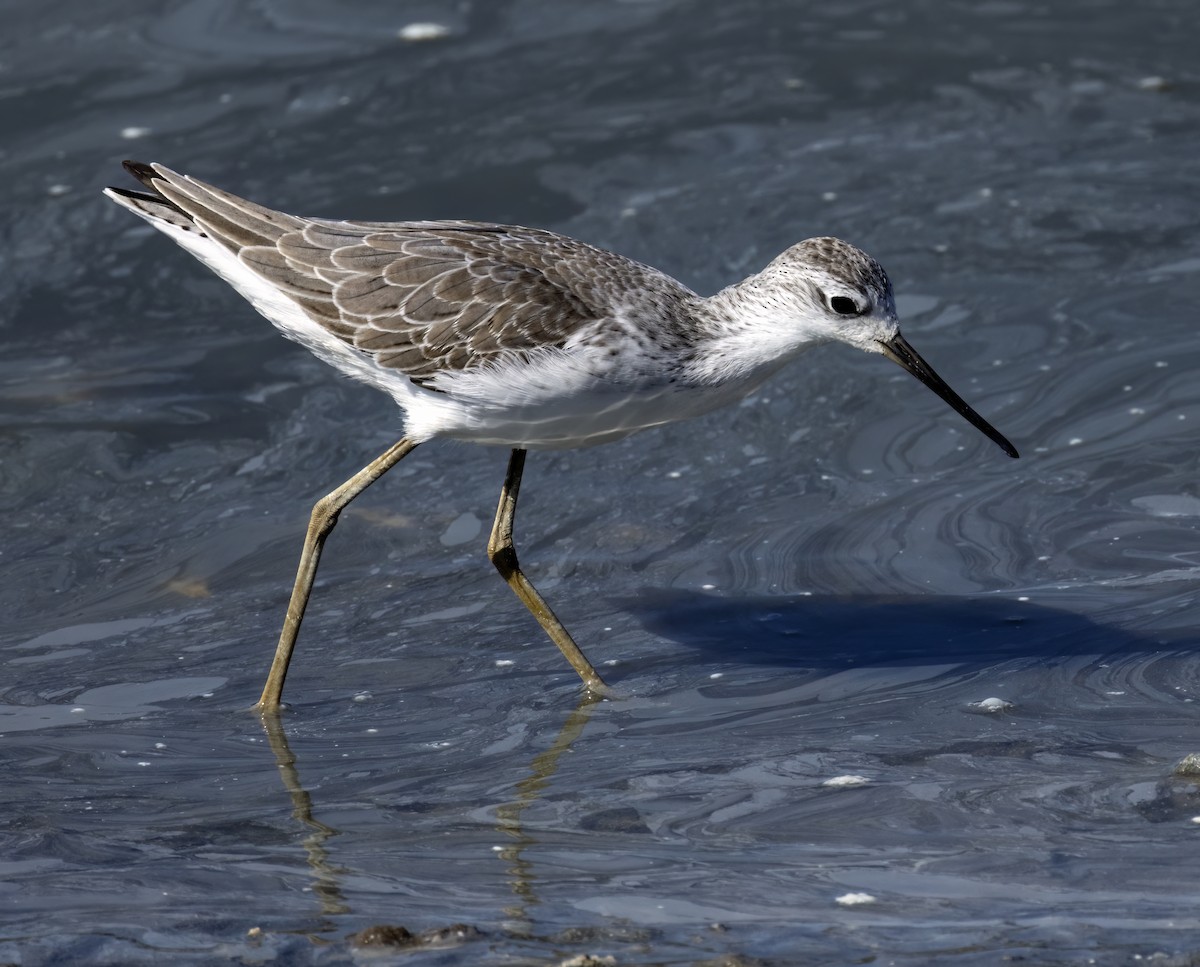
(324,517)
(503,554)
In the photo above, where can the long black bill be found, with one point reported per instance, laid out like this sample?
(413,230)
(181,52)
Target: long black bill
(900,352)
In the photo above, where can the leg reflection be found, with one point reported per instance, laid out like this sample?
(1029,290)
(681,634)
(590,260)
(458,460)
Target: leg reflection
(326,876)
(508,817)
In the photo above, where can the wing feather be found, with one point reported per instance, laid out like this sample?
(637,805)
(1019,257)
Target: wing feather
(419,297)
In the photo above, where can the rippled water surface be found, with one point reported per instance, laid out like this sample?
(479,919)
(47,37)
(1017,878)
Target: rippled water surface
(994,661)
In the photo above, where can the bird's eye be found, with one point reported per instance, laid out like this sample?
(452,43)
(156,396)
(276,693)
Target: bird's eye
(845,306)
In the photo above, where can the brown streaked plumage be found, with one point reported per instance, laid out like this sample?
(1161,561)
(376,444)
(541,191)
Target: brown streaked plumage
(518,337)
(425,298)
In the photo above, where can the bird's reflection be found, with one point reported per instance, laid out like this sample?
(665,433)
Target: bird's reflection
(326,876)
(508,816)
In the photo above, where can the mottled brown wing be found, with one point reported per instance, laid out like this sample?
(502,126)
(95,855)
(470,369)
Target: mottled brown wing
(421,297)
(426,297)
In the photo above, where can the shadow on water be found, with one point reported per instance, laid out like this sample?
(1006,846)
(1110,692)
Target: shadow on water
(837,632)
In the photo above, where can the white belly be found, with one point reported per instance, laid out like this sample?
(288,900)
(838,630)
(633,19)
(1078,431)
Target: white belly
(556,402)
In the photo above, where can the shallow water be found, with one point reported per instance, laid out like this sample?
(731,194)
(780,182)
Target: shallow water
(829,580)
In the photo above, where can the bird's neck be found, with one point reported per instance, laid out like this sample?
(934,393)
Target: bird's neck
(748,334)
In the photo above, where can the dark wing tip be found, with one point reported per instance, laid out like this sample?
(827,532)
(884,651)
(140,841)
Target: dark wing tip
(142,172)
(138,195)
(150,180)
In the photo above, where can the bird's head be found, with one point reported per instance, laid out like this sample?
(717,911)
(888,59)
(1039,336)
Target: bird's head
(841,293)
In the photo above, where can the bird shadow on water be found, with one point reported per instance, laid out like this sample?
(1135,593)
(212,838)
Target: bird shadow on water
(835,632)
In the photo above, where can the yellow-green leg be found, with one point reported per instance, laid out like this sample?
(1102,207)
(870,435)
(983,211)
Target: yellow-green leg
(504,555)
(324,517)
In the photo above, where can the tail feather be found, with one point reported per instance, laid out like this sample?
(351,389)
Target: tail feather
(142,172)
(193,206)
(154,208)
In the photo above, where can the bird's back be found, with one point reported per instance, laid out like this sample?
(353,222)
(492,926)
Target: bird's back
(493,333)
(420,299)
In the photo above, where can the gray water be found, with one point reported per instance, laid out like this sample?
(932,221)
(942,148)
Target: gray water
(825,581)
